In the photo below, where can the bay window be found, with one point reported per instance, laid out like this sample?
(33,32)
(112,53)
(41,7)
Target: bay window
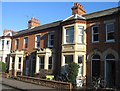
(69,35)
(80,34)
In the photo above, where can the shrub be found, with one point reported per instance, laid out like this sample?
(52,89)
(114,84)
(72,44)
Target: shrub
(72,72)
(2,67)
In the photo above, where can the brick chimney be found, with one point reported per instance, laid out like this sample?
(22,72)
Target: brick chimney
(8,32)
(33,23)
(78,9)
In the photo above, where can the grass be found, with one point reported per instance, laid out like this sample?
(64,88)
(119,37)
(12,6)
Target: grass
(2,67)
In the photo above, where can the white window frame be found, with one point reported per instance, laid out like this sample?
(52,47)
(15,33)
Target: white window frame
(95,34)
(37,41)
(49,40)
(81,34)
(41,63)
(112,40)
(81,65)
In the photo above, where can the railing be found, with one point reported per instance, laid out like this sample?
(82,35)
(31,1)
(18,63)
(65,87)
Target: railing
(47,83)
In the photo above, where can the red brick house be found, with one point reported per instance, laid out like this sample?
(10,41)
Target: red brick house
(91,40)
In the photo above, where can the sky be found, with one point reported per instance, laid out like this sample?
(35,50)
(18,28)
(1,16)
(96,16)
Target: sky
(15,15)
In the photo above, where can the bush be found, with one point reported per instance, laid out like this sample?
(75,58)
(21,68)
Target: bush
(72,72)
(2,67)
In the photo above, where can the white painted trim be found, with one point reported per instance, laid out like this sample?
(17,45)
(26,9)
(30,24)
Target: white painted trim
(49,34)
(113,40)
(97,33)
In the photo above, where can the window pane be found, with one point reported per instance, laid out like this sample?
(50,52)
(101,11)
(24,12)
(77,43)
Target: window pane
(95,37)
(68,59)
(19,63)
(50,67)
(50,60)
(50,39)
(95,29)
(41,62)
(80,59)
(26,42)
(96,57)
(95,34)
(110,36)
(110,56)
(69,35)
(110,27)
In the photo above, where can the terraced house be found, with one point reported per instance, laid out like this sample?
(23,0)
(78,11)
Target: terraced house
(91,40)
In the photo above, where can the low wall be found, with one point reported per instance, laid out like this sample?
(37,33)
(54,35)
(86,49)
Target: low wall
(3,74)
(47,83)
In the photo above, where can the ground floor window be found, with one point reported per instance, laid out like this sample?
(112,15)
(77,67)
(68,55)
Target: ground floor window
(96,66)
(80,63)
(41,62)
(50,63)
(68,59)
(110,70)
(19,63)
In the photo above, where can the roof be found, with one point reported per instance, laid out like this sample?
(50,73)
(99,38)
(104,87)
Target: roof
(102,13)
(41,27)
(74,17)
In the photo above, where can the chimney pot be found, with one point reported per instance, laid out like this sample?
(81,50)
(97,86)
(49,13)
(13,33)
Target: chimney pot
(78,9)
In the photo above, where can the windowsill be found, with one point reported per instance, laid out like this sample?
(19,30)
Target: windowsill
(110,41)
(81,43)
(95,42)
(50,46)
(69,44)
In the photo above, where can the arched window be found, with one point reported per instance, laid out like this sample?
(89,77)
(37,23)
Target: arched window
(110,57)
(96,65)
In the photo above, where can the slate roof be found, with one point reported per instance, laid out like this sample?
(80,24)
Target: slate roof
(50,25)
(102,13)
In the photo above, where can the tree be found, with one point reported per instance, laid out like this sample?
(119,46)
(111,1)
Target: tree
(72,72)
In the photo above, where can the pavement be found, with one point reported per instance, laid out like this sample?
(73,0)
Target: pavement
(24,86)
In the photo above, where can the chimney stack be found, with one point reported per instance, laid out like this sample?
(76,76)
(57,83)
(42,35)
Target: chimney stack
(8,32)
(33,23)
(78,9)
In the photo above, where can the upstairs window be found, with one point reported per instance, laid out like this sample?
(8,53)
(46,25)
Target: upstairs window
(69,35)
(17,43)
(110,32)
(95,34)
(7,44)
(37,44)
(50,40)
(2,44)
(80,34)
(26,42)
